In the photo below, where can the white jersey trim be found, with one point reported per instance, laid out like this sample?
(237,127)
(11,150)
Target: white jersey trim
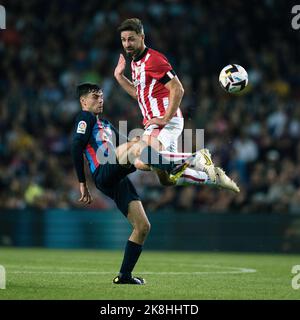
(153,101)
(142,87)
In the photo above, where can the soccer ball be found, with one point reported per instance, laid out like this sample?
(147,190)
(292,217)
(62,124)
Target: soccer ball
(233,78)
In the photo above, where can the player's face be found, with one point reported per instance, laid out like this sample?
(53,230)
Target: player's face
(94,102)
(132,42)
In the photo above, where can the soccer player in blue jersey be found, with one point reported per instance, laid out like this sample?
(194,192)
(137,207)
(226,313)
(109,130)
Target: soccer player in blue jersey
(93,137)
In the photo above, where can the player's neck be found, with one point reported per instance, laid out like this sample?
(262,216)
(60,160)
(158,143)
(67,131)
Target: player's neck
(87,110)
(140,54)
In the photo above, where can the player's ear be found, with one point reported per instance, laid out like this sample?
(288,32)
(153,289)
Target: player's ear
(82,100)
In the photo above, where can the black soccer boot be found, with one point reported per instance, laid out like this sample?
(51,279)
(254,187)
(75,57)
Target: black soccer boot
(132,280)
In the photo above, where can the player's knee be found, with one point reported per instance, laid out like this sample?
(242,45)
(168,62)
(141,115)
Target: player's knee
(144,229)
(122,152)
(135,150)
(135,139)
(119,153)
(147,227)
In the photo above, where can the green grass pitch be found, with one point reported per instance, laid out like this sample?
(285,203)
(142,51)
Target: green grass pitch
(87,274)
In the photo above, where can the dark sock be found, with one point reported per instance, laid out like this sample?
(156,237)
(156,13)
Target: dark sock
(131,255)
(154,159)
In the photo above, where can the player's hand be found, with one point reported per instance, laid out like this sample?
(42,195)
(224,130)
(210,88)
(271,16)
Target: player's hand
(86,197)
(119,70)
(161,122)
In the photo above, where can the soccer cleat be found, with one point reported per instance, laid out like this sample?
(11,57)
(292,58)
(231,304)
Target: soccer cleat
(177,172)
(132,280)
(224,182)
(201,161)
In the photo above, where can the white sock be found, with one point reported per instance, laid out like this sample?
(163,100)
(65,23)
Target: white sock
(194,177)
(180,157)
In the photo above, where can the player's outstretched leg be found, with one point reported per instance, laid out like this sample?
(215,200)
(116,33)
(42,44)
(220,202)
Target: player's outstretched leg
(194,177)
(200,161)
(176,168)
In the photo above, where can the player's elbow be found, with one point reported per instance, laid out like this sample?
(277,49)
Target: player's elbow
(133,94)
(76,148)
(180,90)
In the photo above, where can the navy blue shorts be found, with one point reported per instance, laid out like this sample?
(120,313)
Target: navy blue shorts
(112,180)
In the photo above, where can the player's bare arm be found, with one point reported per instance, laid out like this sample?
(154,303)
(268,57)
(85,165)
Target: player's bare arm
(124,82)
(176,93)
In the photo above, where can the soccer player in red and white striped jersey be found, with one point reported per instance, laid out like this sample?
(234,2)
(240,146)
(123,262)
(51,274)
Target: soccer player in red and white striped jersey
(154,85)
(159,92)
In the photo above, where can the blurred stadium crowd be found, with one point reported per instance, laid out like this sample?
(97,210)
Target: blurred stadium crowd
(49,47)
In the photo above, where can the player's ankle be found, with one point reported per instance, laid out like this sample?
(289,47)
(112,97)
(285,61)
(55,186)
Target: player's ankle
(125,276)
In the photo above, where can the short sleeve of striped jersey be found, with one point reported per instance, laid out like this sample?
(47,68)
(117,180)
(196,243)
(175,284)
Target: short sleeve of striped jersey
(160,69)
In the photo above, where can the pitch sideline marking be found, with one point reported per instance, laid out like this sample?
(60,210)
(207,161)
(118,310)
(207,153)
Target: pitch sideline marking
(236,271)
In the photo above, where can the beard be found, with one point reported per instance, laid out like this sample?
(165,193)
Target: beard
(133,53)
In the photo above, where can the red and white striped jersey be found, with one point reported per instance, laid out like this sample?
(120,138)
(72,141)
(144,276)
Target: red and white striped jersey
(150,72)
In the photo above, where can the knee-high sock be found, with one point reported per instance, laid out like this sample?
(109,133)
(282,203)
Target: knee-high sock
(131,256)
(195,177)
(175,156)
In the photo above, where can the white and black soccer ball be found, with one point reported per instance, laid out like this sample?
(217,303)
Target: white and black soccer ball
(233,78)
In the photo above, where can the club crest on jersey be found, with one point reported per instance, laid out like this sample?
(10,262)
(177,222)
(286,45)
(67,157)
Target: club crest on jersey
(81,128)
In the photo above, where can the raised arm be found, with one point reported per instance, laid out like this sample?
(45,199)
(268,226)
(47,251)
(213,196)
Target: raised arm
(124,82)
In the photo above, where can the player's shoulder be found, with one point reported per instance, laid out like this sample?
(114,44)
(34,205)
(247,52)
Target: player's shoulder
(84,122)
(154,54)
(85,116)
